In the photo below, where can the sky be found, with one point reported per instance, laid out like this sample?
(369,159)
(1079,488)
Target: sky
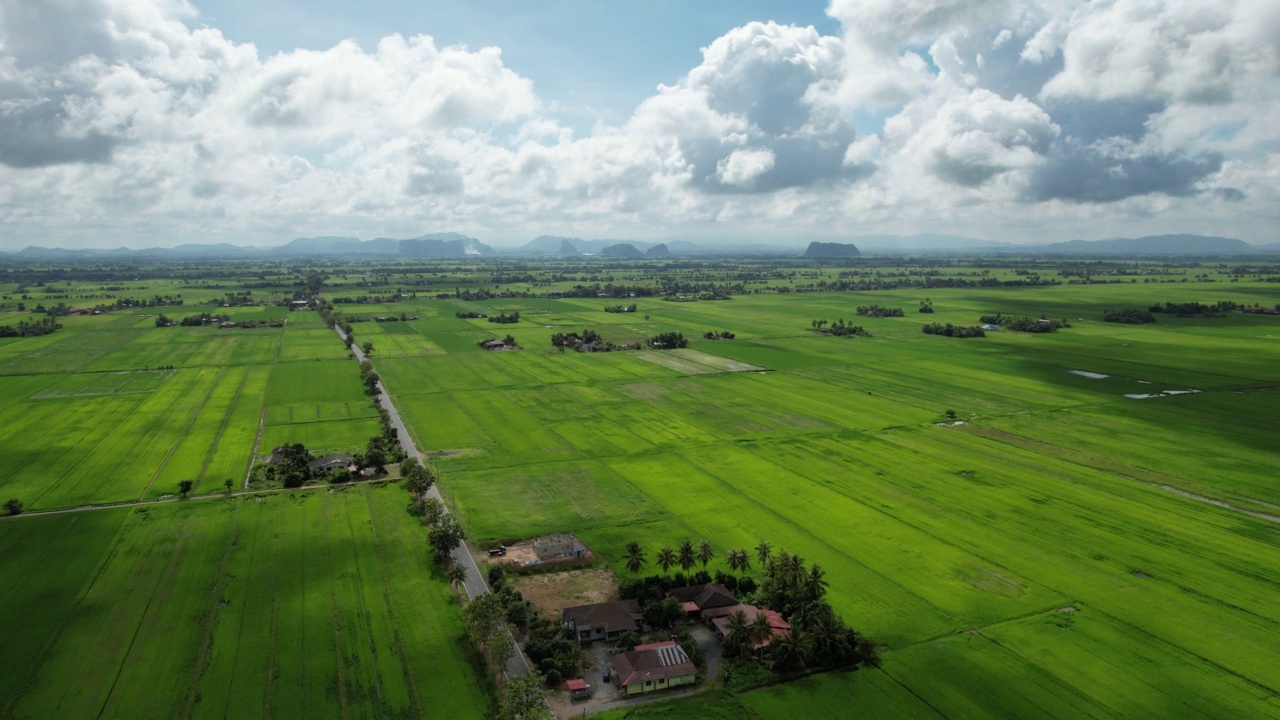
(147,123)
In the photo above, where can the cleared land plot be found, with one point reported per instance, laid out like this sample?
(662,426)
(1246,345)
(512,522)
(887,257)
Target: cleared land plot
(314,606)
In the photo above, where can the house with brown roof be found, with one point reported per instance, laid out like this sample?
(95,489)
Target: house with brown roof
(602,621)
(697,600)
(656,666)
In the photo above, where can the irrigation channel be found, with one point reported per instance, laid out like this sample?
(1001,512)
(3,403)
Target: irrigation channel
(475,584)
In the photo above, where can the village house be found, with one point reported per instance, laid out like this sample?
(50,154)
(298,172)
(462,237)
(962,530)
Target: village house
(333,461)
(602,621)
(722,620)
(656,666)
(697,600)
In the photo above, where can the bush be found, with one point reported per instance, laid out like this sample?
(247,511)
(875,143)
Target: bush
(742,675)
(13,506)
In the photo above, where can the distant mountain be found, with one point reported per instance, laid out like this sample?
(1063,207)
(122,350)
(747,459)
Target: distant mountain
(435,245)
(546,245)
(925,242)
(621,250)
(1150,245)
(831,250)
(658,251)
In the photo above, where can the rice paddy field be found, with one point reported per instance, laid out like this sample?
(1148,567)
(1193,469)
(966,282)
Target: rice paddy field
(1059,549)
(1092,531)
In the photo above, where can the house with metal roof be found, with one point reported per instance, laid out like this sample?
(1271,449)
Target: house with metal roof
(652,667)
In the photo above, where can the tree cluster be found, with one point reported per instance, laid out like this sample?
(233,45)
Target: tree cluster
(1128,316)
(957,331)
(587,341)
(468,315)
(13,506)
(879,311)
(503,318)
(621,308)
(1195,308)
(926,307)
(43,326)
(713,335)
(1025,323)
(668,340)
(839,328)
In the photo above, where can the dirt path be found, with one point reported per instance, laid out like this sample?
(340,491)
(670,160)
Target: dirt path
(257,440)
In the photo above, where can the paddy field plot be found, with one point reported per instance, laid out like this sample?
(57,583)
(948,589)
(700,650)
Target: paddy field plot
(315,605)
(956,546)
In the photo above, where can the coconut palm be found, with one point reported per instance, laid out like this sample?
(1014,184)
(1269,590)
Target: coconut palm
(815,583)
(456,574)
(635,557)
(739,634)
(764,551)
(686,555)
(666,558)
(737,560)
(705,553)
(793,651)
(761,631)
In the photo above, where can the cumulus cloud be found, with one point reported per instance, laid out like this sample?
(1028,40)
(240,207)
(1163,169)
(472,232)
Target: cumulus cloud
(130,116)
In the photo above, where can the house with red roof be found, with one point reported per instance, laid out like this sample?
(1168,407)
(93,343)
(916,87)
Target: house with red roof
(779,627)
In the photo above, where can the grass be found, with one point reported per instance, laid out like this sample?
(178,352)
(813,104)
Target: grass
(312,605)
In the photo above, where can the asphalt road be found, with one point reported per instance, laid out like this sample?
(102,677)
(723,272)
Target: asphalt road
(475,584)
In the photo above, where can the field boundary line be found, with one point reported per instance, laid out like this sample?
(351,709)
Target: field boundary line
(222,428)
(160,578)
(257,440)
(364,614)
(1261,686)
(186,428)
(235,660)
(192,698)
(913,693)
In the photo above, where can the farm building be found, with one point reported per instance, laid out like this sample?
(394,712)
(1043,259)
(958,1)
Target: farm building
(698,600)
(555,546)
(656,666)
(333,461)
(721,622)
(602,621)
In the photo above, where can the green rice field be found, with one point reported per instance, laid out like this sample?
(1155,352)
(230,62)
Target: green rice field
(1083,523)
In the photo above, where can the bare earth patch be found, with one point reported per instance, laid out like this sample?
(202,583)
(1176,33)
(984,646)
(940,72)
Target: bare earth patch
(553,592)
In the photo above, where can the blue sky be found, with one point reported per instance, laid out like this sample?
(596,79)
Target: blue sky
(593,60)
(156,122)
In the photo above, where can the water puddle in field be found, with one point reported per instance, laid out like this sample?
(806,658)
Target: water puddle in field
(1218,503)
(1090,375)
(1162,393)
(953,423)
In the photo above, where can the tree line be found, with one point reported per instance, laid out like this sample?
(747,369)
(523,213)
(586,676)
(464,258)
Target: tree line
(956,331)
(1025,324)
(621,308)
(879,311)
(839,328)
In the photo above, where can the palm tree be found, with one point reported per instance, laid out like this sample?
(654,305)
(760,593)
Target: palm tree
(705,553)
(739,634)
(686,555)
(737,560)
(815,583)
(761,631)
(635,557)
(764,551)
(666,558)
(793,651)
(456,574)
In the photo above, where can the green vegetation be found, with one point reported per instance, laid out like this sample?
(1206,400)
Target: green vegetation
(1043,549)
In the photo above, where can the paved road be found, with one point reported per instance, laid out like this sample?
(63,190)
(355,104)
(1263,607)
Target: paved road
(475,584)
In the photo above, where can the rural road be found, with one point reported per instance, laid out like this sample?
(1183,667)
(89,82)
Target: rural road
(475,584)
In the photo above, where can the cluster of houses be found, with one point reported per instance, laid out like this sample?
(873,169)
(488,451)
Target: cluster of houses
(661,665)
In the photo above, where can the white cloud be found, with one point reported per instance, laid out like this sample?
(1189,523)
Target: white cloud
(120,122)
(744,165)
